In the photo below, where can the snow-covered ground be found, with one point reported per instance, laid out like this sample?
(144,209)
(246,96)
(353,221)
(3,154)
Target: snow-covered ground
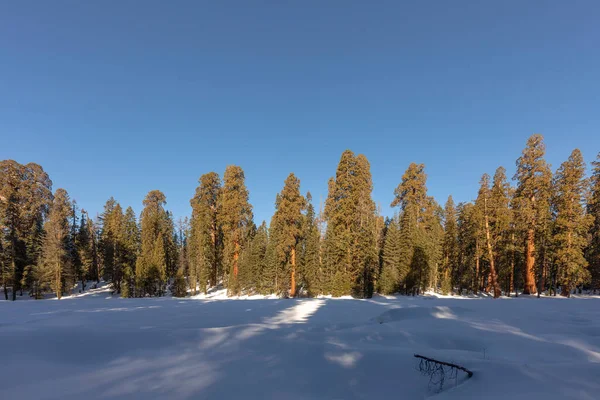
(93,346)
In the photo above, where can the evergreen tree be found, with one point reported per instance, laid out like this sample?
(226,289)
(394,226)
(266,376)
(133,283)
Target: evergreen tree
(420,230)
(83,245)
(57,269)
(572,222)
(130,250)
(450,246)
(532,202)
(151,264)
(112,243)
(501,221)
(350,247)
(25,198)
(311,274)
(253,261)
(484,206)
(465,275)
(593,249)
(206,237)
(389,280)
(236,220)
(288,216)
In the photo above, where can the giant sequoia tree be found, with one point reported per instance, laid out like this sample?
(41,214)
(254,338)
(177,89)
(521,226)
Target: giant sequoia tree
(532,202)
(288,217)
(350,241)
(236,221)
(572,222)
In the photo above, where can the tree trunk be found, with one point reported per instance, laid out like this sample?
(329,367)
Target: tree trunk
(476,288)
(236,255)
(529,286)
(58,280)
(511,283)
(493,276)
(293,280)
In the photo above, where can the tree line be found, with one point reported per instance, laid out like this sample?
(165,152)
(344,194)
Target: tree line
(541,234)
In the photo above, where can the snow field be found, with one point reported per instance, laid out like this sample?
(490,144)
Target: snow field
(95,346)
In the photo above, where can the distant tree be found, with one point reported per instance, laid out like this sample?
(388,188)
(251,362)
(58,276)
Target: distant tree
(310,264)
(450,246)
(57,269)
(151,264)
(483,204)
(112,243)
(593,209)
(572,222)
(206,235)
(500,221)
(420,228)
(25,198)
(388,281)
(130,250)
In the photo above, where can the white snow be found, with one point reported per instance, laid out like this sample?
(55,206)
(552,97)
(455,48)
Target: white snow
(96,346)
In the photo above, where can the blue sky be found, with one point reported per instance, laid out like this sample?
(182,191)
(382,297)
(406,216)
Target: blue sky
(116,98)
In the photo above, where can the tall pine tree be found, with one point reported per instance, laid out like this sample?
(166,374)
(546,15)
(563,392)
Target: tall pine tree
(532,202)
(572,222)
(236,220)
(206,238)
(57,269)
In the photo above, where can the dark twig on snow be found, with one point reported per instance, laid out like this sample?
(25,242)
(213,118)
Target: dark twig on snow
(439,371)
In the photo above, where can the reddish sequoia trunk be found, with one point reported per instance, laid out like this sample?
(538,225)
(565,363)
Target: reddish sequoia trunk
(529,286)
(236,255)
(293,277)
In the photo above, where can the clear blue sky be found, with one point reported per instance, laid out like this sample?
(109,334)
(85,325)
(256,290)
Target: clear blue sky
(116,98)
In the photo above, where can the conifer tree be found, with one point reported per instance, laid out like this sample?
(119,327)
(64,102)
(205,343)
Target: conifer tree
(389,280)
(236,220)
(130,249)
(420,230)
(572,222)
(350,247)
(151,264)
(450,246)
(206,237)
(465,276)
(288,216)
(272,275)
(112,246)
(57,268)
(483,203)
(593,249)
(83,244)
(532,202)
(25,198)
(501,221)
(311,248)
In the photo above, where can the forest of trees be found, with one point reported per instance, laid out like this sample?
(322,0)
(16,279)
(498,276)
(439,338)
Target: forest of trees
(540,234)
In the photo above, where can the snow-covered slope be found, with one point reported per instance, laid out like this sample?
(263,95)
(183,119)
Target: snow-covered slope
(95,346)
